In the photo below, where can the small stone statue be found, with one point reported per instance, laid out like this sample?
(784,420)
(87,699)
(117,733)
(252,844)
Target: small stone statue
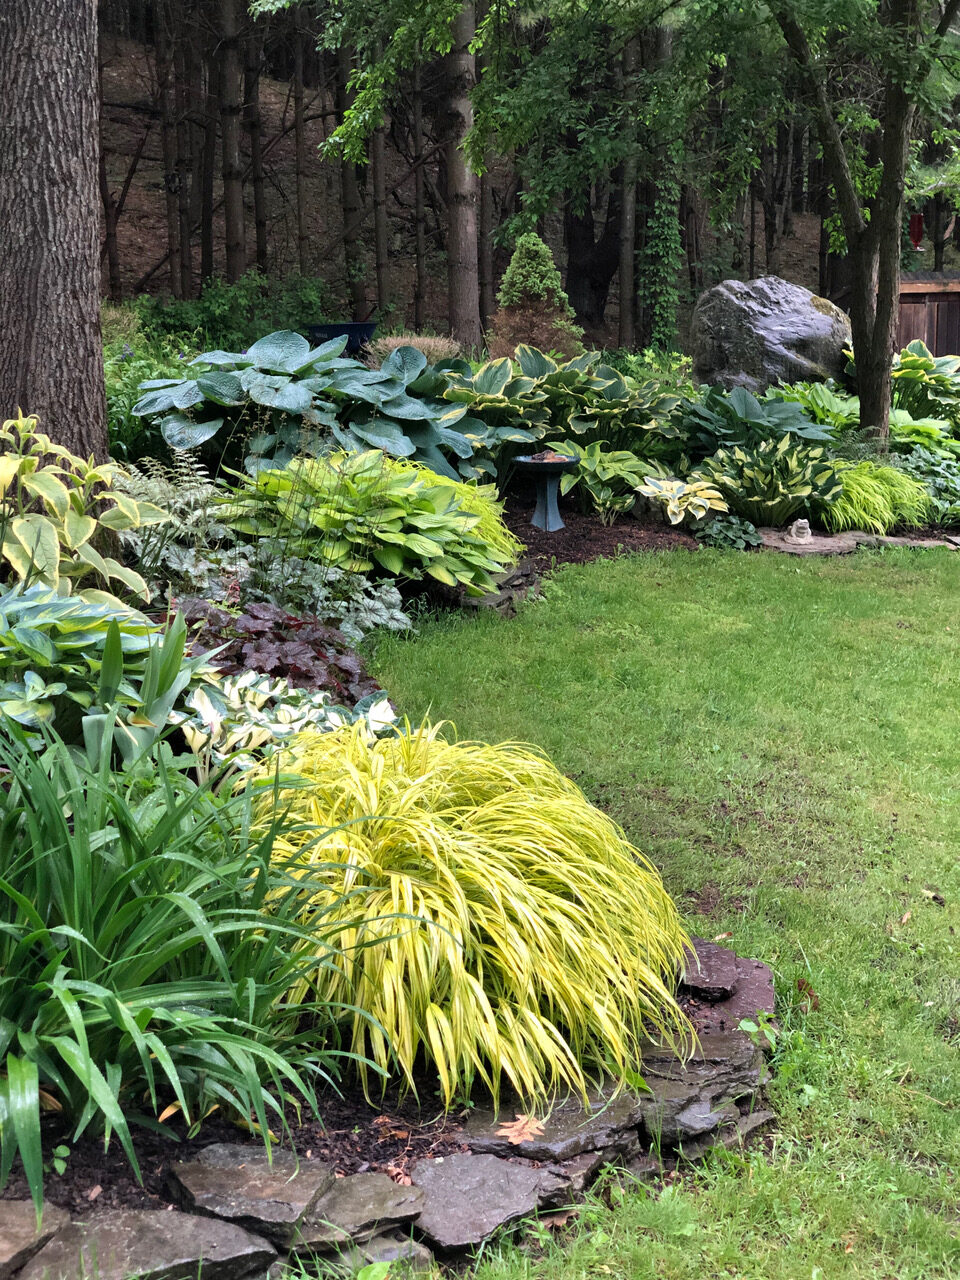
(799,531)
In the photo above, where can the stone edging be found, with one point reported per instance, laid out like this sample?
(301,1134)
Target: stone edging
(240,1215)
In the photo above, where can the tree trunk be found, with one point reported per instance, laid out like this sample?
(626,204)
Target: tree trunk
(381,228)
(251,105)
(419,205)
(231,106)
(592,263)
(462,186)
(163,22)
(51,361)
(300,148)
(183,38)
(109,209)
(627,267)
(351,203)
(488,292)
(209,160)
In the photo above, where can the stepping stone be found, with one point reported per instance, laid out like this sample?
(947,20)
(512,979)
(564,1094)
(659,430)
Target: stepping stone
(709,972)
(609,1122)
(20,1238)
(357,1207)
(150,1244)
(754,995)
(238,1182)
(470,1196)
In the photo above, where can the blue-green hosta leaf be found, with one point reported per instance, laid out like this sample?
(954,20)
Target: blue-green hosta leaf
(35,644)
(406,408)
(183,395)
(459,444)
(280,352)
(154,384)
(223,359)
(221,387)
(181,432)
(274,391)
(405,363)
(368,385)
(381,433)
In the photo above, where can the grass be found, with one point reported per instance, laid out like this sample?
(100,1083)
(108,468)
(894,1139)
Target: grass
(781,738)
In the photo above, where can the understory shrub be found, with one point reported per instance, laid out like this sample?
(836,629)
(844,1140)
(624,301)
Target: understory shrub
(146,943)
(774,481)
(534,309)
(368,511)
(520,934)
(876,498)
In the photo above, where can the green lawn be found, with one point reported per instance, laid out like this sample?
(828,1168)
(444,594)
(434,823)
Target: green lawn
(782,738)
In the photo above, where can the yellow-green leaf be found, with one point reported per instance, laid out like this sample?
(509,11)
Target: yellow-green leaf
(51,491)
(37,535)
(77,529)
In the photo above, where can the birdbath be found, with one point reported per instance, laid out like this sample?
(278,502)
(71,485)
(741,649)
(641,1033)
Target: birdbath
(547,468)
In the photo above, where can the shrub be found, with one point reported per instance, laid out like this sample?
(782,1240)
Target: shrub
(128,362)
(435,349)
(773,482)
(533,306)
(52,513)
(141,971)
(521,935)
(737,418)
(366,511)
(876,498)
(941,478)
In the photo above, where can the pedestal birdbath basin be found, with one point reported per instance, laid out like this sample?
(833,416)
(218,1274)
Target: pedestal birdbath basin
(547,468)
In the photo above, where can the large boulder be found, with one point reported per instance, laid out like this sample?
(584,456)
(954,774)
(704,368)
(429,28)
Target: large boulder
(756,333)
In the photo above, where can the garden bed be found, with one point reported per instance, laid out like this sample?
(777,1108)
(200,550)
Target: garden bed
(584,538)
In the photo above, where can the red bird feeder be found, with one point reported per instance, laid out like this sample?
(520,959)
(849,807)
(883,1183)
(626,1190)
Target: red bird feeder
(916,229)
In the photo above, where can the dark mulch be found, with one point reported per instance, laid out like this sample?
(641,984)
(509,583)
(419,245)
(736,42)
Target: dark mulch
(353,1136)
(584,538)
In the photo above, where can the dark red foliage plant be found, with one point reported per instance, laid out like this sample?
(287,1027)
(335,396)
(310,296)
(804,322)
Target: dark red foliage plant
(304,650)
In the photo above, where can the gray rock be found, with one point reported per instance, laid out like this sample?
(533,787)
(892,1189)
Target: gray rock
(730,1136)
(355,1208)
(391,1248)
(756,333)
(470,1196)
(150,1244)
(19,1237)
(689,1099)
(709,972)
(611,1120)
(234,1181)
(754,995)
(820,544)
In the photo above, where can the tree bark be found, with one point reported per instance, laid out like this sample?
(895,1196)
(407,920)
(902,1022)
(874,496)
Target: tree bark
(182,39)
(51,361)
(592,262)
(419,205)
(209,160)
(350,203)
(231,106)
(381,227)
(462,186)
(163,22)
(628,203)
(300,148)
(488,292)
(251,105)
(109,208)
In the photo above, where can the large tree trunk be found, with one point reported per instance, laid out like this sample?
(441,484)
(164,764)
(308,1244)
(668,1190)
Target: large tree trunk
(251,96)
(183,42)
(592,262)
(628,204)
(231,106)
(381,227)
(163,22)
(419,204)
(300,148)
(209,159)
(350,202)
(462,186)
(51,361)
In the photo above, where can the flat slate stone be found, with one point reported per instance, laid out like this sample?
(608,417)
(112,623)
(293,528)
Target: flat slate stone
(355,1208)
(390,1248)
(570,1128)
(730,1136)
(150,1244)
(709,972)
(754,995)
(237,1182)
(689,1099)
(19,1237)
(470,1196)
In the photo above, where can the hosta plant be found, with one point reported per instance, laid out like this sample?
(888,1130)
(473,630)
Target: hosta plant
(774,482)
(728,532)
(54,510)
(285,398)
(611,477)
(875,498)
(366,511)
(737,418)
(941,479)
(519,936)
(691,499)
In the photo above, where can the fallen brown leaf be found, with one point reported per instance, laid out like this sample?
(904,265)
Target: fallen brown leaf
(94,1192)
(523,1129)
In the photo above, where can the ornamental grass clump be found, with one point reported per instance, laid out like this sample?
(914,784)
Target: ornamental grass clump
(509,930)
(877,498)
